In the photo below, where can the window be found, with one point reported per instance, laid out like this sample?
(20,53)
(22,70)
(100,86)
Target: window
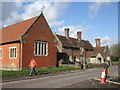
(0,53)
(13,52)
(41,48)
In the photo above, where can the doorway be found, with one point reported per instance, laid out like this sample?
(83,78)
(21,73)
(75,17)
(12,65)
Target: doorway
(74,60)
(99,59)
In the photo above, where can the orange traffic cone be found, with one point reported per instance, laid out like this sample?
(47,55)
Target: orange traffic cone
(103,77)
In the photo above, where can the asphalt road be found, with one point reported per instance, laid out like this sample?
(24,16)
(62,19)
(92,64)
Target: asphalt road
(59,81)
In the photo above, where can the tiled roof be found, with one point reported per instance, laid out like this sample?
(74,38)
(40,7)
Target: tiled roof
(73,42)
(87,45)
(13,32)
(98,50)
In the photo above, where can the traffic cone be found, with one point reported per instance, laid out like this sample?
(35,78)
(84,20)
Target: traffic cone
(103,77)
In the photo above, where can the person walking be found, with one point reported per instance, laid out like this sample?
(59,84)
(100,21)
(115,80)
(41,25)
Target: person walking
(32,65)
(81,65)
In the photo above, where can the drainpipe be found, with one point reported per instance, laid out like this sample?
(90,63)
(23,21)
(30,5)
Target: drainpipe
(20,60)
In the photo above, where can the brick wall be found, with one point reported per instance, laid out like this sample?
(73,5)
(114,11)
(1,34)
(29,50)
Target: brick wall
(39,31)
(6,61)
(25,50)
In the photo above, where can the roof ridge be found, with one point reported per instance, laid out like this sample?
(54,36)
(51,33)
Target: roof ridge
(101,47)
(85,40)
(71,37)
(60,35)
(65,36)
(18,22)
(19,29)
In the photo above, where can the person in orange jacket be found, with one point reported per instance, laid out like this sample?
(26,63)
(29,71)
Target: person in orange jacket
(33,65)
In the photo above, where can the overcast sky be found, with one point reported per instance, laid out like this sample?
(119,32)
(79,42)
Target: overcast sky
(94,19)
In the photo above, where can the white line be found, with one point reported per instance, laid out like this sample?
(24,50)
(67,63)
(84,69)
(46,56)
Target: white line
(91,78)
(93,83)
(47,77)
(39,78)
(109,81)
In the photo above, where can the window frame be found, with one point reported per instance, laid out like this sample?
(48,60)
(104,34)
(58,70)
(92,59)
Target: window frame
(41,48)
(13,47)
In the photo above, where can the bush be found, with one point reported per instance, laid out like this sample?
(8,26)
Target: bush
(115,62)
(114,58)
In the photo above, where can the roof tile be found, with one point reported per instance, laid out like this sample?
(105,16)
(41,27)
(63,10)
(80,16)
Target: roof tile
(13,32)
(73,42)
(98,50)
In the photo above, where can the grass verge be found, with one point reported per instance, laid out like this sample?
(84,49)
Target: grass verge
(115,62)
(39,70)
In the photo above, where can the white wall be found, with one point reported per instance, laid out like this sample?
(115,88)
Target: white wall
(100,56)
(95,60)
(108,58)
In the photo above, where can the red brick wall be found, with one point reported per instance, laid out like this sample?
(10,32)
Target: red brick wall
(28,47)
(6,61)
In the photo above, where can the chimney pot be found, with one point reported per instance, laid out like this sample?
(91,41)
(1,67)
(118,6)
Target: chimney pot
(66,32)
(97,42)
(79,35)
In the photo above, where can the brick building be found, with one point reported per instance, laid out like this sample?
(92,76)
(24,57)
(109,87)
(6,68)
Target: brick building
(100,53)
(76,48)
(81,50)
(24,40)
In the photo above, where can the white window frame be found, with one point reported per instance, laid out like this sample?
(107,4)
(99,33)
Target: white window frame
(40,51)
(1,53)
(10,52)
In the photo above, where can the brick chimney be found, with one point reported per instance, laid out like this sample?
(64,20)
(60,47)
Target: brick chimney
(79,35)
(97,42)
(66,32)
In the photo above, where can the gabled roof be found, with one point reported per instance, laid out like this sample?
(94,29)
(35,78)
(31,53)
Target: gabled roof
(73,42)
(15,31)
(98,50)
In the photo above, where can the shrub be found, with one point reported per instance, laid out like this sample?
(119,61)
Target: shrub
(114,58)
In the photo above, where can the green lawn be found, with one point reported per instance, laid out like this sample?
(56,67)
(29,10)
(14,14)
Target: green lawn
(26,72)
(115,62)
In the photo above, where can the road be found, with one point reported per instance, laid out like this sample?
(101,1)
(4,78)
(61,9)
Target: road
(59,81)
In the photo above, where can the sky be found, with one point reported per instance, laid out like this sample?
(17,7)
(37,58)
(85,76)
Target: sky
(93,19)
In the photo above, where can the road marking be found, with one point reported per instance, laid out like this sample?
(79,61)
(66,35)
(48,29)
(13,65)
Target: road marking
(93,83)
(109,81)
(39,78)
(91,78)
(47,77)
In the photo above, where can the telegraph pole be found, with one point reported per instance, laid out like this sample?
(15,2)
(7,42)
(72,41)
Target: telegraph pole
(84,61)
